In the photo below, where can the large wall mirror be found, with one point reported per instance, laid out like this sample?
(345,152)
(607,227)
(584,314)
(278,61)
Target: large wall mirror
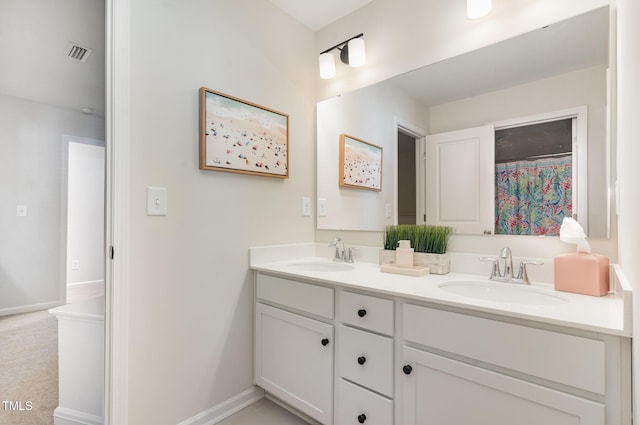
(431,124)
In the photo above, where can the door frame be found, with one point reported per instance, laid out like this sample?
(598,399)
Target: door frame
(401,125)
(117,144)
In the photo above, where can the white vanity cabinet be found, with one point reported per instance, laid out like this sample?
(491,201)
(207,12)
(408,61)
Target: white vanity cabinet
(294,344)
(463,369)
(365,360)
(342,355)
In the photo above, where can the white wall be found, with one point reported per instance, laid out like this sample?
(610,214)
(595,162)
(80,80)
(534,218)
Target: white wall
(85,212)
(31,173)
(191,293)
(628,169)
(352,114)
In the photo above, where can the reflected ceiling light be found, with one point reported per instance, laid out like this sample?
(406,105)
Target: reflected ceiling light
(352,53)
(478,8)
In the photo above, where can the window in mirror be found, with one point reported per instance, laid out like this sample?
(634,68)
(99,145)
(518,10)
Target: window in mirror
(534,177)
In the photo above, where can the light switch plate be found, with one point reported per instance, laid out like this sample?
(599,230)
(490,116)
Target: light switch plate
(322,207)
(306,207)
(21,211)
(156,201)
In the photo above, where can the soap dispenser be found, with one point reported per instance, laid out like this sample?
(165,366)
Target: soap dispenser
(404,254)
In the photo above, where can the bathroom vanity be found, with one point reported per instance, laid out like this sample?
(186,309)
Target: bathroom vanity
(347,344)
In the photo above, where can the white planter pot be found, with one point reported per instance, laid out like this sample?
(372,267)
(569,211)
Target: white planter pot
(437,263)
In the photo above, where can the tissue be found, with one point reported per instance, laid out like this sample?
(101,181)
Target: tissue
(572,232)
(581,272)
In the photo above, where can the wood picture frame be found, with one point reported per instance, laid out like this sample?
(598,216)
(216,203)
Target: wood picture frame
(360,164)
(242,137)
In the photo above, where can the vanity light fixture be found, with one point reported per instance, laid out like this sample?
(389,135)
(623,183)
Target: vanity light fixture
(478,8)
(352,53)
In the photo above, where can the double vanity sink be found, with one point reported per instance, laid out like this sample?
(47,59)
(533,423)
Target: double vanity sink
(477,289)
(345,343)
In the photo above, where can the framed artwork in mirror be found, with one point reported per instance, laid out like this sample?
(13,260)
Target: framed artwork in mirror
(241,137)
(360,164)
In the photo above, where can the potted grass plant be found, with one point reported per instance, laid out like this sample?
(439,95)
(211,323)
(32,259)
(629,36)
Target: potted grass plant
(429,243)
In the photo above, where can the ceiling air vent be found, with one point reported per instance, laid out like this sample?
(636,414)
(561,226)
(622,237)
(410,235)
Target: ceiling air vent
(77,52)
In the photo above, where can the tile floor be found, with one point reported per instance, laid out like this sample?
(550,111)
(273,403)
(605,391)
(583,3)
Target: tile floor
(263,412)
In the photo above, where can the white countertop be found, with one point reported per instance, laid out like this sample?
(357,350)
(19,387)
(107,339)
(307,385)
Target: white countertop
(609,314)
(91,309)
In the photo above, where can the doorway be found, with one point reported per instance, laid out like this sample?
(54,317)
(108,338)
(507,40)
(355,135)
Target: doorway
(85,218)
(410,172)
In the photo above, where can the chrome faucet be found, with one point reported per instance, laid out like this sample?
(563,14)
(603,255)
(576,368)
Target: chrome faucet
(505,256)
(341,253)
(506,275)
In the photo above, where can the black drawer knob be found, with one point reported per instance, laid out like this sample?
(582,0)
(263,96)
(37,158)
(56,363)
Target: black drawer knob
(407,369)
(325,341)
(362,418)
(362,312)
(362,360)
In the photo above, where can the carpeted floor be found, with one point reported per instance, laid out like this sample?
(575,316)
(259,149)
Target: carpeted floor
(28,368)
(29,363)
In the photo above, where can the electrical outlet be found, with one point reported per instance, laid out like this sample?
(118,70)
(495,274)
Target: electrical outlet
(75,264)
(306,207)
(388,210)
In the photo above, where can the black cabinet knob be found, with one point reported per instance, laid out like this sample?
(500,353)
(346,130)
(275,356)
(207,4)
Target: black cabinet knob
(362,360)
(362,312)
(362,418)
(407,369)
(325,341)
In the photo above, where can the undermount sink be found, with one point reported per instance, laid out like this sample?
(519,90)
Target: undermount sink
(503,292)
(320,266)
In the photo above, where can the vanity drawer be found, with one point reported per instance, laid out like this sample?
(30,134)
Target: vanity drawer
(566,359)
(305,297)
(367,312)
(366,359)
(356,405)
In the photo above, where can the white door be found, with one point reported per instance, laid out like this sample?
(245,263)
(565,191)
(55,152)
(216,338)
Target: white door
(294,360)
(460,179)
(438,390)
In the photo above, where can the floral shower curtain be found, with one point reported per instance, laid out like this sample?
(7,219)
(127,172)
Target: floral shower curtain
(532,197)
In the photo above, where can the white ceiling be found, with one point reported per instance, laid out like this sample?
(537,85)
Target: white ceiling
(576,43)
(317,14)
(34,37)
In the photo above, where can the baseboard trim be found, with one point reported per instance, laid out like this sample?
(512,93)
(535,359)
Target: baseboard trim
(85,283)
(29,308)
(227,408)
(66,416)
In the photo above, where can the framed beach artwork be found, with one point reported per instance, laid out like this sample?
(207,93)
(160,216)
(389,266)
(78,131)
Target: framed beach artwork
(360,164)
(242,137)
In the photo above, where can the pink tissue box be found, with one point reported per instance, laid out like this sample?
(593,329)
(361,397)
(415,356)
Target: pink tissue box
(582,273)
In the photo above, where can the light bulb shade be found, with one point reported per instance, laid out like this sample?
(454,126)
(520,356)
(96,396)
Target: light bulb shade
(478,8)
(357,56)
(327,66)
